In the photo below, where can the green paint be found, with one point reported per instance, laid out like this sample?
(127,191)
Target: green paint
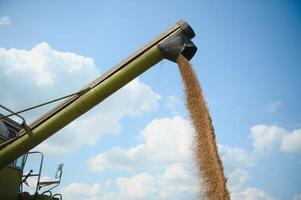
(10,181)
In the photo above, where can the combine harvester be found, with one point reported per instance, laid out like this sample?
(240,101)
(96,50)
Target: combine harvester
(16,140)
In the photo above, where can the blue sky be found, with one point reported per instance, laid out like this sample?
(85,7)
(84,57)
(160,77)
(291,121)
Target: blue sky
(248,63)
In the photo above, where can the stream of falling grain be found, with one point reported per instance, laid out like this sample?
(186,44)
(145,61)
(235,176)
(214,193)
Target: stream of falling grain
(208,161)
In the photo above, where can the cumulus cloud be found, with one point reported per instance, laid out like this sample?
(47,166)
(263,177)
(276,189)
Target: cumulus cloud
(236,161)
(265,138)
(156,147)
(29,77)
(137,187)
(291,142)
(156,151)
(174,183)
(147,160)
(45,66)
(178,180)
(82,191)
(4,21)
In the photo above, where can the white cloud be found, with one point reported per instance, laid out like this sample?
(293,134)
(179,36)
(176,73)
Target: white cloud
(82,191)
(138,187)
(156,147)
(177,180)
(266,138)
(292,142)
(251,194)
(29,77)
(176,172)
(157,152)
(159,133)
(175,183)
(236,161)
(4,20)
(44,67)
(274,106)
(180,178)
(32,76)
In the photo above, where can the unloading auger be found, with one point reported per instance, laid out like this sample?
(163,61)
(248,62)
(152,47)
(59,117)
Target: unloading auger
(168,45)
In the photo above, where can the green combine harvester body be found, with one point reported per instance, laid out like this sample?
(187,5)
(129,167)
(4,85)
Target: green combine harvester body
(16,140)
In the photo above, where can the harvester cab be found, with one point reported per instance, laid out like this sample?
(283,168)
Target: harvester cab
(14,180)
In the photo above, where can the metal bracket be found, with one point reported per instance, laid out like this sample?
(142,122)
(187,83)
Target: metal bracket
(23,124)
